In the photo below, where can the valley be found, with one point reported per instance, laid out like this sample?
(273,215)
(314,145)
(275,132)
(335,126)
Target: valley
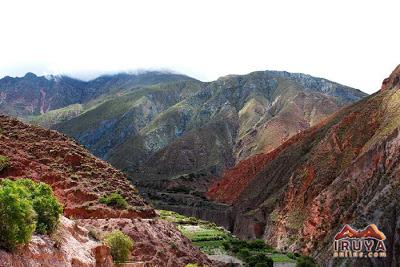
(281,157)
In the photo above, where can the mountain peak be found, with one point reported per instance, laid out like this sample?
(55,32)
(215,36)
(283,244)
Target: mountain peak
(30,75)
(393,81)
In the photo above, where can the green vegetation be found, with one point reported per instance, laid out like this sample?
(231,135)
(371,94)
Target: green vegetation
(4,162)
(26,206)
(205,235)
(305,261)
(212,239)
(114,200)
(46,206)
(58,115)
(17,217)
(120,245)
(254,253)
(259,260)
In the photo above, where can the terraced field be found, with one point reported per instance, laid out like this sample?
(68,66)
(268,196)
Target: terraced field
(217,242)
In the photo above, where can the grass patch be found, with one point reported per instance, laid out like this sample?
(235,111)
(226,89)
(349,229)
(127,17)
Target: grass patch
(114,200)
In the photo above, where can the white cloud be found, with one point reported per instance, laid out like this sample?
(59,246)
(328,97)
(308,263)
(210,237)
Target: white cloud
(351,42)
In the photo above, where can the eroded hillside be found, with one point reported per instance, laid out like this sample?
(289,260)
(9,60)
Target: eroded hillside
(343,171)
(79,180)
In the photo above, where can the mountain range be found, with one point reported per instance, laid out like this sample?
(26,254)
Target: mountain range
(286,157)
(170,133)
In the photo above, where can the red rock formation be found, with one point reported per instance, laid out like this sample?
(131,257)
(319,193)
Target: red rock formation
(235,180)
(69,246)
(344,171)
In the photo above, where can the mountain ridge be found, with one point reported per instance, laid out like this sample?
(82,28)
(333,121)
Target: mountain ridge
(341,171)
(33,95)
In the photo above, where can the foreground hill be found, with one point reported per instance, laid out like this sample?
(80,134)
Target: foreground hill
(345,170)
(79,180)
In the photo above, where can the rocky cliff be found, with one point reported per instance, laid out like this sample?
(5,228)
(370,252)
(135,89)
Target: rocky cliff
(345,170)
(69,246)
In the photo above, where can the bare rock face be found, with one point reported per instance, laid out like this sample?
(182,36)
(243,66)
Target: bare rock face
(69,246)
(393,81)
(346,170)
(156,242)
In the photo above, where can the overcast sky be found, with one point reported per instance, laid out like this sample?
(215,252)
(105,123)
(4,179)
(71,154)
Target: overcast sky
(351,42)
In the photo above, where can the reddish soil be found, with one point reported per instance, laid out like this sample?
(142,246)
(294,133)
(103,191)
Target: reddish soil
(77,178)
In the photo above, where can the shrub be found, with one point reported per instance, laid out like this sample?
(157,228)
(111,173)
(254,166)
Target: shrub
(45,204)
(305,261)
(226,245)
(262,264)
(26,206)
(17,217)
(192,265)
(257,244)
(260,260)
(120,245)
(114,200)
(237,244)
(291,256)
(4,162)
(173,245)
(244,253)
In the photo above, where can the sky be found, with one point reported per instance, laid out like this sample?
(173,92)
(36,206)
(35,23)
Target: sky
(351,42)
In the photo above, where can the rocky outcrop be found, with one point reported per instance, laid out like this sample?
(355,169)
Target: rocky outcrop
(393,81)
(343,171)
(70,246)
(156,242)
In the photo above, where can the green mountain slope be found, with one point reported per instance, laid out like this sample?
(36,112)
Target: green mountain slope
(31,97)
(175,138)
